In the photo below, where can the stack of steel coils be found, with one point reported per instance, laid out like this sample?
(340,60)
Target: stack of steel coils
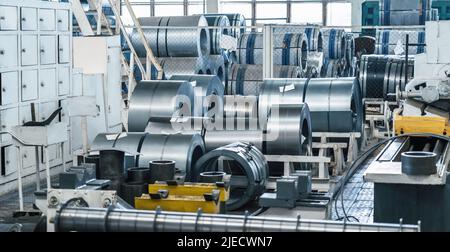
(235,20)
(219,26)
(387,41)
(405,12)
(246,79)
(381,75)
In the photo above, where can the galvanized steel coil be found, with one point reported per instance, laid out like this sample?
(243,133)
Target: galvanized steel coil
(335,104)
(313,34)
(288,130)
(165,40)
(218,65)
(219,25)
(185,66)
(315,64)
(247,79)
(159,101)
(218,138)
(238,106)
(236,20)
(334,43)
(290,49)
(209,92)
(253,166)
(381,75)
(332,68)
(185,150)
(387,40)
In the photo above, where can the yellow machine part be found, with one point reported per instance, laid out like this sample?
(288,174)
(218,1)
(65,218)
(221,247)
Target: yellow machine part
(191,189)
(177,203)
(421,124)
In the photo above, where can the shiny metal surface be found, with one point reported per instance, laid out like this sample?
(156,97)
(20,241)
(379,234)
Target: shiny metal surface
(288,130)
(218,66)
(253,166)
(313,33)
(124,220)
(289,49)
(315,64)
(185,150)
(158,101)
(238,106)
(334,43)
(333,68)
(247,79)
(235,20)
(209,92)
(166,40)
(386,41)
(218,138)
(218,28)
(185,66)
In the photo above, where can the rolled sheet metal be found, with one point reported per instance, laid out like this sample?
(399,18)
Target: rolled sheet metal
(333,68)
(237,106)
(218,138)
(247,79)
(10,228)
(313,34)
(185,150)
(159,101)
(184,66)
(381,75)
(253,166)
(315,64)
(334,43)
(178,125)
(350,53)
(290,49)
(209,92)
(165,40)
(235,19)
(218,66)
(288,130)
(387,40)
(219,25)
(335,104)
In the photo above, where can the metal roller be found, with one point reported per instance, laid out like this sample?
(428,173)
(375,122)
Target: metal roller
(185,66)
(288,130)
(289,49)
(247,79)
(158,101)
(335,104)
(124,220)
(217,138)
(381,75)
(185,150)
(254,171)
(209,92)
(387,40)
(334,43)
(235,19)
(219,26)
(166,40)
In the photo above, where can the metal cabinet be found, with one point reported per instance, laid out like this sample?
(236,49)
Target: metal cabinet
(48,50)
(47,84)
(64,80)
(46,109)
(28,19)
(8,18)
(8,51)
(64,49)
(62,20)
(8,118)
(25,114)
(10,155)
(28,153)
(47,20)
(8,86)
(29,51)
(29,85)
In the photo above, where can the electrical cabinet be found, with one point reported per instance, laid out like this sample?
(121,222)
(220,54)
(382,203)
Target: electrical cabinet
(35,75)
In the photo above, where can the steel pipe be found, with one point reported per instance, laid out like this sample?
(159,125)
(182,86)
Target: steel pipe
(159,101)
(290,49)
(253,166)
(124,220)
(165,40)
(247,79)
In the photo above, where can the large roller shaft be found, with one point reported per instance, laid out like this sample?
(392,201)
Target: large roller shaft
(166,40)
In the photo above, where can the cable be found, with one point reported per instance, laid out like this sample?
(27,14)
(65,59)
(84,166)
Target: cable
(353,168)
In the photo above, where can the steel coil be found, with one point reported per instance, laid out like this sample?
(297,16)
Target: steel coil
(247,79)
(387,40)
(381,75)
(10,228)
(313,34)
(335,104)
(159,101)
(288,130)
(350,53)
(185,66)
(218,138)
(405,12)
(165,40)
(334,43)
(235,19)
(236,106)
(218,65)
(315,64)
(219,25)
(253,166)
(289,49)
(209,92)
(178,125)
(185,150)
(332,68)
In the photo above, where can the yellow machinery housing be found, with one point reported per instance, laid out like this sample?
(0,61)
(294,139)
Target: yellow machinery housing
(421,124)
(187,197)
